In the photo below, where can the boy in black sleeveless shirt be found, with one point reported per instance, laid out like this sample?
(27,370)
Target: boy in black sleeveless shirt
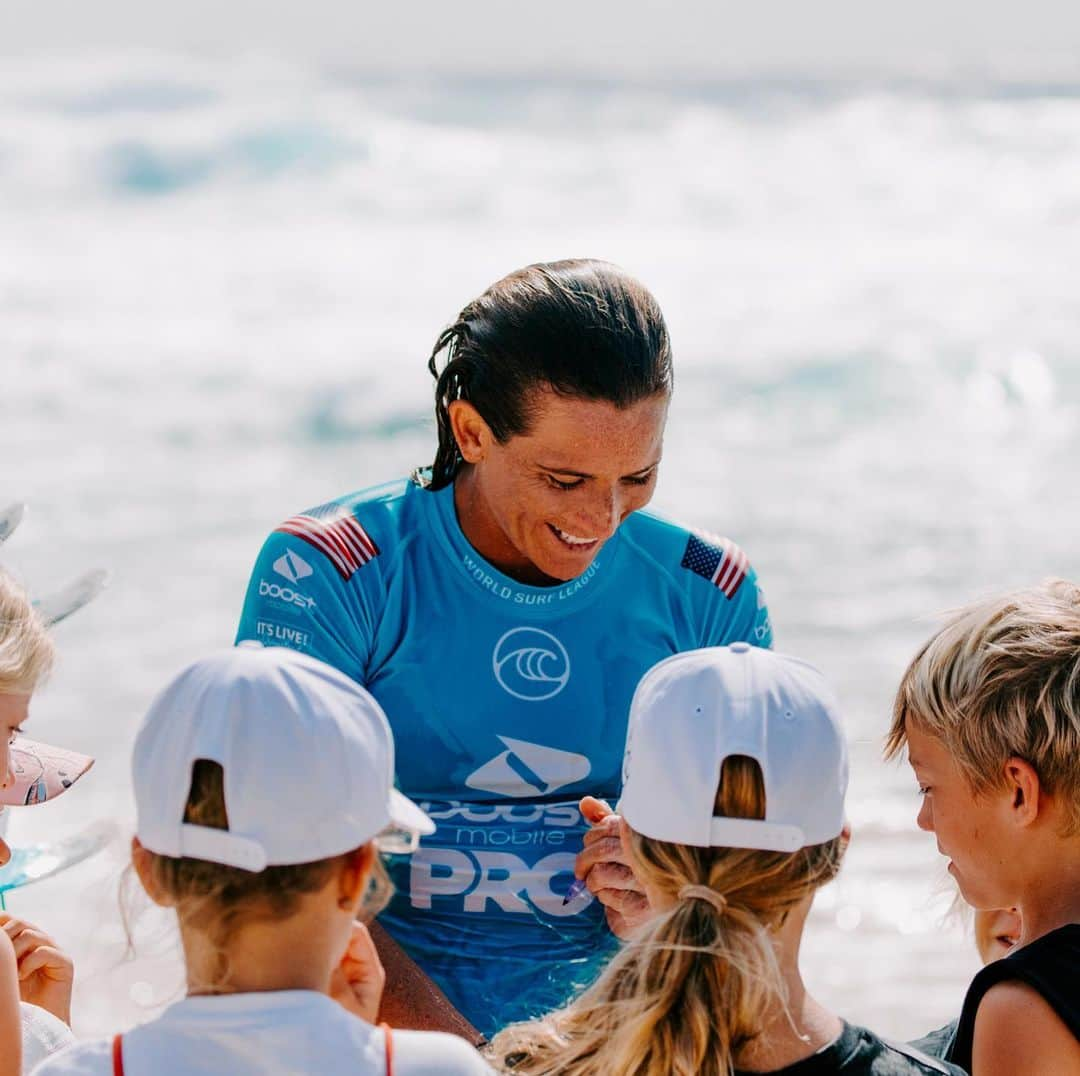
(989,711)
(996,933)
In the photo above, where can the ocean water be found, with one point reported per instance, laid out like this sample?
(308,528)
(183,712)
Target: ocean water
(219,283)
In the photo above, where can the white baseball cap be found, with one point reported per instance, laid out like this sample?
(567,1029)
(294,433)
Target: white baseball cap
(307,755)
(693,710)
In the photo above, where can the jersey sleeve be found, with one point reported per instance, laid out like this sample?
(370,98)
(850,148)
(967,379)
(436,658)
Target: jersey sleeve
(729,603)
(304,597)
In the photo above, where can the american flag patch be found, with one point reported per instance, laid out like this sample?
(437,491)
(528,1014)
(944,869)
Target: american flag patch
(719,560)
(334,531)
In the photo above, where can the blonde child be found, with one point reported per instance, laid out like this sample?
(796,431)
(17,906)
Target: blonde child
(989,711)
(264,792)
(733,817)
(38,1003)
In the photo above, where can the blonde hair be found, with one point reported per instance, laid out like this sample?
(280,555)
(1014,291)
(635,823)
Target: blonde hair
(215,900)
(26,649)
(1001,678)
(692,989)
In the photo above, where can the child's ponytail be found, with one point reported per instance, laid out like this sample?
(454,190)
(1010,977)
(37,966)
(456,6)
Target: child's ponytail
(689,992)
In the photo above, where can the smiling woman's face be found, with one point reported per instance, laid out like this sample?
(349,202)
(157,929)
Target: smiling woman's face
(541,506)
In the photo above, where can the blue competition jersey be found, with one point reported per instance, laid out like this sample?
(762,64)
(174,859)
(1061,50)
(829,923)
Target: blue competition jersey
(508,704)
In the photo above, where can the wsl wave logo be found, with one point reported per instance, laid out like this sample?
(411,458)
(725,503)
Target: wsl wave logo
(528,769)
(531,664)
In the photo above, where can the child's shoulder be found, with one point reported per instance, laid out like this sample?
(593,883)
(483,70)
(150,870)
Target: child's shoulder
(417,1052)
(1034,988)
(1019,1029)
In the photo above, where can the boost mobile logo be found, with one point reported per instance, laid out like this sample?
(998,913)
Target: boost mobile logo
(531,664)
(285,594)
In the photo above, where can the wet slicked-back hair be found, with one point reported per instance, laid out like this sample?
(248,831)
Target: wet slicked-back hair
(579,327)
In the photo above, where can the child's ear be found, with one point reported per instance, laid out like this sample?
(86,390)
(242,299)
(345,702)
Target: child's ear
(1023,784)
(143,862)
(354,876)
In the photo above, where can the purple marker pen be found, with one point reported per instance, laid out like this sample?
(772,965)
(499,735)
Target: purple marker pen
(577,887)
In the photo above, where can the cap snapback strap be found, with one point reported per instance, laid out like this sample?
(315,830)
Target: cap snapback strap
(755,833)
(221,846)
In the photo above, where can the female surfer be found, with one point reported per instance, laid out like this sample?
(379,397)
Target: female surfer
(502,605)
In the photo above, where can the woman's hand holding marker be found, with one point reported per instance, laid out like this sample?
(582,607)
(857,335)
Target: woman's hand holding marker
(604,869)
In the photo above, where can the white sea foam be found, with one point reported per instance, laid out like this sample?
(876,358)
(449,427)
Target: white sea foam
(219,285)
